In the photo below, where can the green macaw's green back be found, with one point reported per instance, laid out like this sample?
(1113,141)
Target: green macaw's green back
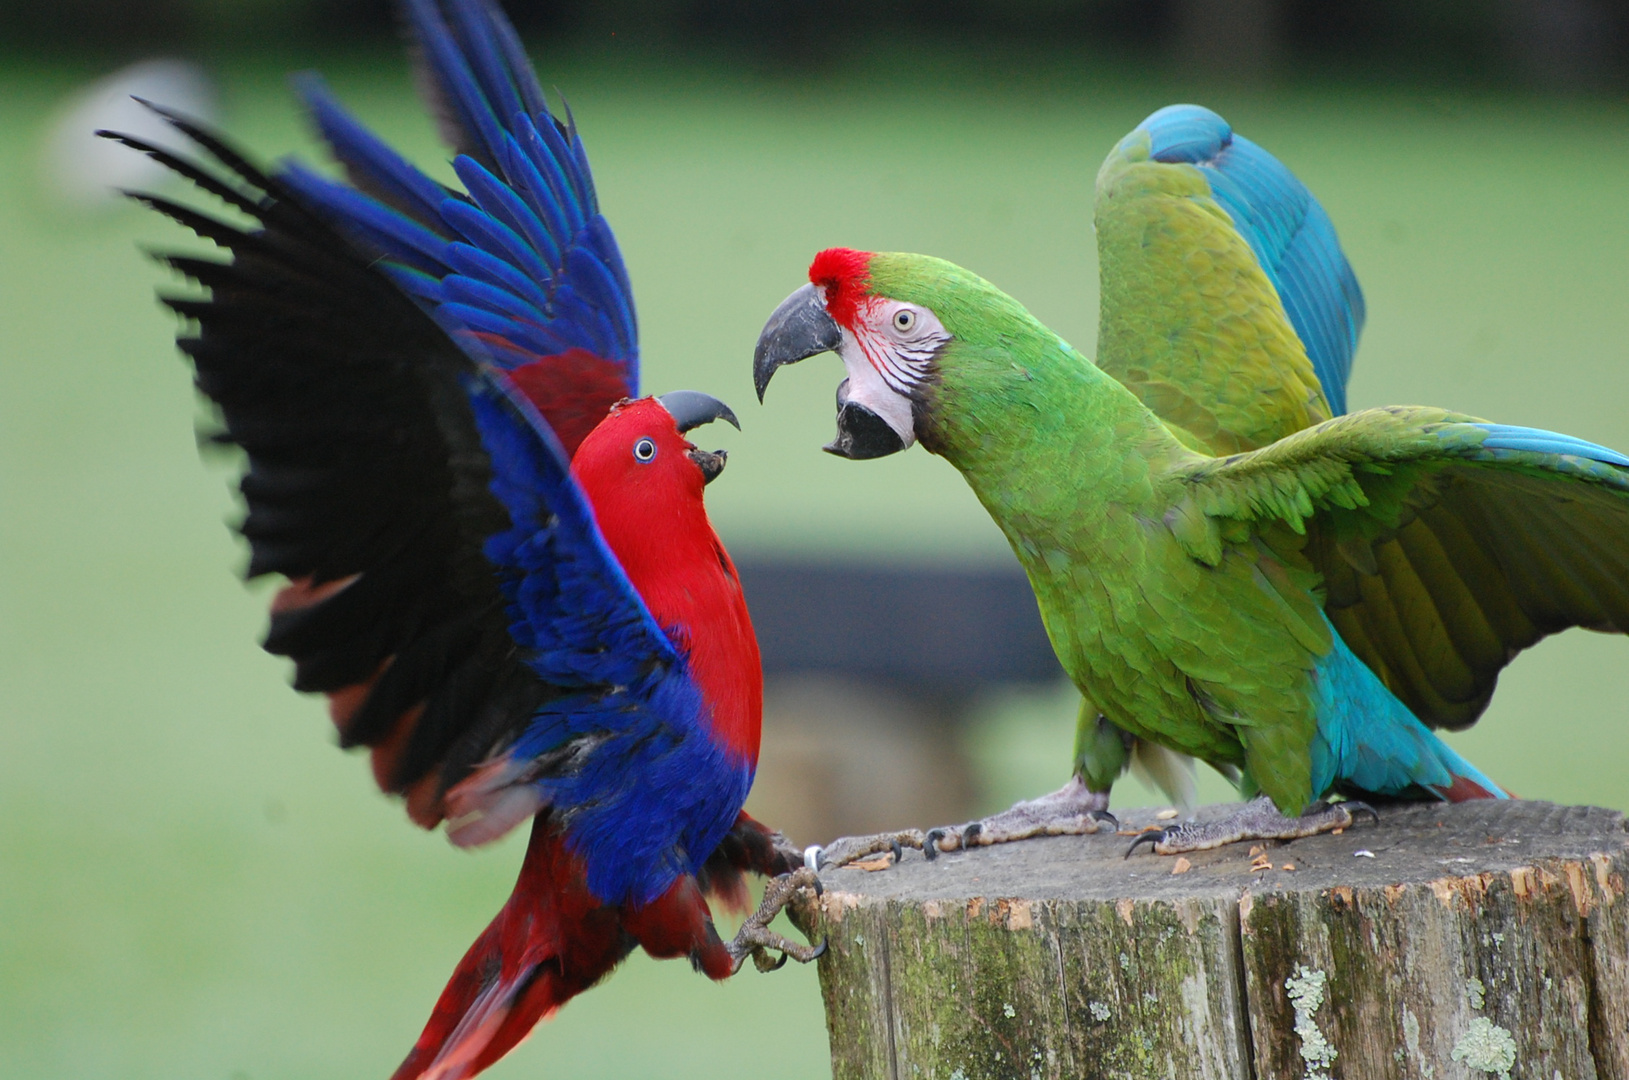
(1188,320)
(1185,594)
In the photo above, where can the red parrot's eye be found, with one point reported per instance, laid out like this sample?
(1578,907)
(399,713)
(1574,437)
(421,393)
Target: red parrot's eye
(644,451)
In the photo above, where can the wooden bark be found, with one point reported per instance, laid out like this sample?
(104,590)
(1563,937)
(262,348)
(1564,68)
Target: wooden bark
(1479,939)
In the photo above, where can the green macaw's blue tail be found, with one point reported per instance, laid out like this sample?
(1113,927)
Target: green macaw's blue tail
(1369,740)
(1292,236)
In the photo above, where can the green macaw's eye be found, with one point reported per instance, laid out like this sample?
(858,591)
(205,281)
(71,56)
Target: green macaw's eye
(904,320)
(644,451)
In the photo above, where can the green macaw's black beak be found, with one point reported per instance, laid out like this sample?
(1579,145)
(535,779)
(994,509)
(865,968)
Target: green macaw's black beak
(801,328)
(691,409)
(861,433)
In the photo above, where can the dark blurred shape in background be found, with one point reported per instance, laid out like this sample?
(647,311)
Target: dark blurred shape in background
(870,672)
(1559,44)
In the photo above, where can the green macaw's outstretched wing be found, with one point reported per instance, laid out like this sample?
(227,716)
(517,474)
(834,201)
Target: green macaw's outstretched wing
(1227,305)
(1446,545)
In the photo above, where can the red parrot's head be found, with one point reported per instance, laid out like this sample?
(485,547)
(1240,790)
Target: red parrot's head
(645,479)
(639,454)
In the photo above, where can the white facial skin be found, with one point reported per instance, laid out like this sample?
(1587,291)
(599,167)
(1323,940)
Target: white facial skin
(887,356)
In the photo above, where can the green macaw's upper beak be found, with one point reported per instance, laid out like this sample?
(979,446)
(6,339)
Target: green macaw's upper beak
(801,328)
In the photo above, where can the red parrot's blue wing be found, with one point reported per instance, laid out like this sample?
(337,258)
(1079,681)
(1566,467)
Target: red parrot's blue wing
(1285,226)
(449,589)
(522,259)
(646,792)
(572,610)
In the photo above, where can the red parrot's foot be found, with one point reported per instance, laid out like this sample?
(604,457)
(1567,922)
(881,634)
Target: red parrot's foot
(1258,819)
(756,938)
(1072,810)
(849,849)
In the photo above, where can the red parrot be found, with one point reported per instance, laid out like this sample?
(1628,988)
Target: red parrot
(500,568)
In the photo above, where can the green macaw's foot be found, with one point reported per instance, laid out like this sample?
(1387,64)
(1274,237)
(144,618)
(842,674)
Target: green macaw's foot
(1072,810)
(1258,819)
(756,939)
(840,853)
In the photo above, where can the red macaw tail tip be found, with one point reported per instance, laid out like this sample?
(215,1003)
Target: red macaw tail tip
(1464,789)
(551,941)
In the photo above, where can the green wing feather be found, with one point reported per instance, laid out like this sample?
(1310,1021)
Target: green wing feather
(1441,554)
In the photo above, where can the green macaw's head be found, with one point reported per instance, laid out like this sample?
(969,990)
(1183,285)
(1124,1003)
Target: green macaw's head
(891,318)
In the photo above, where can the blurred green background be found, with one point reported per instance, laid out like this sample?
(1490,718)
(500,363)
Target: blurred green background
(194,884)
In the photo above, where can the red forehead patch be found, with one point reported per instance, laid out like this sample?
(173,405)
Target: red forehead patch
(844,273)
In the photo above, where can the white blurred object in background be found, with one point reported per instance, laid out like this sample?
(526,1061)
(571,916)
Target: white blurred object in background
(85,171)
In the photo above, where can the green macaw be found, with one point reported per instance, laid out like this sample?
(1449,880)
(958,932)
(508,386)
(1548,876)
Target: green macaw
(1227,567)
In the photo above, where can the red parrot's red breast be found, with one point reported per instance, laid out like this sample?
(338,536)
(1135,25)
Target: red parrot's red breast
(647,498)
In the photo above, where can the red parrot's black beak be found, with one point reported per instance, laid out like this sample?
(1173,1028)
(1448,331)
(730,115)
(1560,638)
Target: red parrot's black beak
(710,462)
(691,409)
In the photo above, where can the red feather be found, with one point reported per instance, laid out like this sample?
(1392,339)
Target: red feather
(845,275)
(573,390)
(653,518)
(1464,789)
(551,941)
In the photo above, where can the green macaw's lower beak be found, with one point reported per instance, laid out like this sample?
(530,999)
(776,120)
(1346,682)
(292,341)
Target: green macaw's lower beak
(801,328)
(861,433)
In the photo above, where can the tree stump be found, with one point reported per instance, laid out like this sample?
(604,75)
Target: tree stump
(1451,942)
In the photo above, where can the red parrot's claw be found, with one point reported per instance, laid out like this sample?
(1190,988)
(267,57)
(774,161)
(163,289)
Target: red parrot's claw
(850,849)
(755,936)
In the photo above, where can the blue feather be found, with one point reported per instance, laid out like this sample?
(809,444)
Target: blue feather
(1291,235)
(473,262)
(1535,441)
(524,334)
(459,289)
(446,62)
(500,201)
(534,214)
(579,622)
(530,183)
(1369,739)
(368,221)
(474,23)
(425,288)
(494,237)
(361,150)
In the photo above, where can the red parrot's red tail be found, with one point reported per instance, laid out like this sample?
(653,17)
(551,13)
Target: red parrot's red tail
(552,940)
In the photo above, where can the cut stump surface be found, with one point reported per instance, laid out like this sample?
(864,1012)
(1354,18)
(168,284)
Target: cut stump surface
(1480,939)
